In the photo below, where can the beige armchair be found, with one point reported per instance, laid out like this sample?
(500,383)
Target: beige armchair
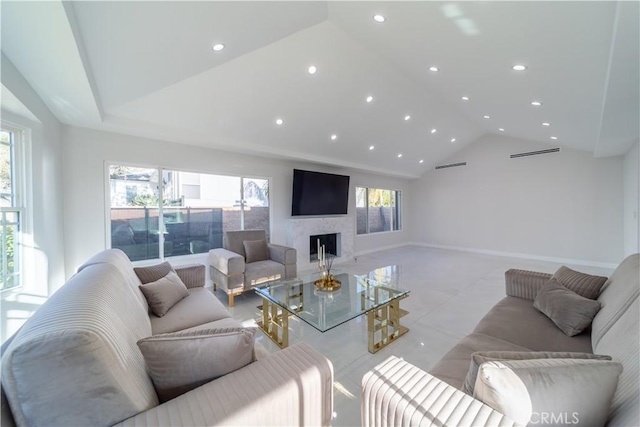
(247,260)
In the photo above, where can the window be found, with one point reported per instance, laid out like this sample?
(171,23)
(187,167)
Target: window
(378,210)
(183,213)
(11,208)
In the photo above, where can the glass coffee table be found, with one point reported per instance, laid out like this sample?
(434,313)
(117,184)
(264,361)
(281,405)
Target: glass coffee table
(369,294)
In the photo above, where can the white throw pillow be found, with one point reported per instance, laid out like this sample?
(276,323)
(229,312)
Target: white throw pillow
(549,391)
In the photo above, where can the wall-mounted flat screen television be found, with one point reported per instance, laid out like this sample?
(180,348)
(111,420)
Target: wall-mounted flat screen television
(317,193)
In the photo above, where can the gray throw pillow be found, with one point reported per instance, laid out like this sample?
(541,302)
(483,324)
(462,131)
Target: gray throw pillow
(256,250)
(480,357)
(568,310)
(164,293)
(585,285)
(181,361)
(153,272)
(550,391)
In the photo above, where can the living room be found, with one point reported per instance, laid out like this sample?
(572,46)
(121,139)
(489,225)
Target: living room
(82,111)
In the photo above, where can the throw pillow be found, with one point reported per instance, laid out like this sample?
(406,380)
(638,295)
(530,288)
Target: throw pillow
(255,250)
(181,361)
(568,310)
(480,357)
(583,284)
(164,293)
(549,391)
(153,272)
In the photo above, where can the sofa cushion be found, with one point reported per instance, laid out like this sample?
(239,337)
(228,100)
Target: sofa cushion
(573,391)
(75,361)
(481,357)
(583,284)
(153,272)
(453,367)
(255,250)
(197,308)
(261,272)
(516,320)
(570,312)
(164,293)
(181,361)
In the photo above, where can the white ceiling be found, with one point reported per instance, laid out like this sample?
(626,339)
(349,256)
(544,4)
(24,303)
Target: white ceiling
(147,68)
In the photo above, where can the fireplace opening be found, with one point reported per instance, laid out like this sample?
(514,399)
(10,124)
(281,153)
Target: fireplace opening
(331,243)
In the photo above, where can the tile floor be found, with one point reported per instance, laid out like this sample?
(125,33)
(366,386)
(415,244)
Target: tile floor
(450,292)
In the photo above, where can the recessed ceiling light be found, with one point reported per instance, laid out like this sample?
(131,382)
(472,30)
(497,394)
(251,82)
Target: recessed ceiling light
(434,69)
(434,130)
(371,147)
(465,98)
(379,18)
(536,103)
(486,117)
(554,137)
(369,98)
(501,129)
(546,124)
(519,67)
(453,140)
(421,161)
(334,137)
(279,122)
(218,47)
(399,155)
(407,117)
(312,69)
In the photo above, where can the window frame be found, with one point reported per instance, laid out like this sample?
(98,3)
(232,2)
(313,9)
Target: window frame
(398,208)
(160,191)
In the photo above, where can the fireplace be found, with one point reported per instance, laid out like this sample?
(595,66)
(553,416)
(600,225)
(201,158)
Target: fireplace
(331,243)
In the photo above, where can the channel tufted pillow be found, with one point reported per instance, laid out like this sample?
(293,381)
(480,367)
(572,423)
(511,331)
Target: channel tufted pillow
(153,272)
(583,284)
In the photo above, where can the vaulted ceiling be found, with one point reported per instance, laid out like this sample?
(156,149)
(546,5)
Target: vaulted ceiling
(148,69)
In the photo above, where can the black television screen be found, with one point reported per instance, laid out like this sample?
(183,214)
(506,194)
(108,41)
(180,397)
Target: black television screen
(317,193)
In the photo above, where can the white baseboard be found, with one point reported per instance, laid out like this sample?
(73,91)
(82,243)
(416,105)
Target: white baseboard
(382,248)
(521,256)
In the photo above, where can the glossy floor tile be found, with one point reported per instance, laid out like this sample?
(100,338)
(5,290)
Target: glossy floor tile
(450,292)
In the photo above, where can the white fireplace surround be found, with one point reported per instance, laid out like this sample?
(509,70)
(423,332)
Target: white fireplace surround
(300,229)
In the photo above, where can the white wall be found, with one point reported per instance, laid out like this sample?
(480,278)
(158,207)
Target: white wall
(86,151)
(565,205)
(45,259)
(632,200)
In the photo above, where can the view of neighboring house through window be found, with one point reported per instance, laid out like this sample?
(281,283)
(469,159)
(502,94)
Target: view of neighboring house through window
(378,210)
(182,213)
(10,211)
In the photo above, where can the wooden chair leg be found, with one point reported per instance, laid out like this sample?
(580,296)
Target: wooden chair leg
(231,300)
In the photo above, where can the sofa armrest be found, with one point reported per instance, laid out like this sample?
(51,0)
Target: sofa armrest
(524,284)
(293,386)
(227,262)
(396,393)
(192,275)
(282,254)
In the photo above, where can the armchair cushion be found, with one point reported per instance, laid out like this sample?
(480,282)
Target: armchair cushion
(255,250)
(234,240)
(261,272)
(164,293)
(181,361)
(227,262)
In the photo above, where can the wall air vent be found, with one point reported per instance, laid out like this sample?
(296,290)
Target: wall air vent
(451,165)
(535,153)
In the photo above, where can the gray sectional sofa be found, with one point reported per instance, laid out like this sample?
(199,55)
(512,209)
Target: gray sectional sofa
(398,393)
(76,361)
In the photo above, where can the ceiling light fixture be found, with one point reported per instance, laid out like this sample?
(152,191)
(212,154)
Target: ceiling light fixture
(554,137)
(519,67)
(465,98)
(334,137)
(501,129)
(434,130)
(371,147)
(536,103)
(486,117)
(453,140)
(546,124)
(421,161)
(434,69)
(406,118)
(379,18)
(217,47)
(399,155)
(312,69)
(369,98)
(279,122)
